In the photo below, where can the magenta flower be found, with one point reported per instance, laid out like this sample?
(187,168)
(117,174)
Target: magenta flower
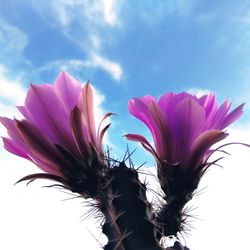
(58,132)
(183,127)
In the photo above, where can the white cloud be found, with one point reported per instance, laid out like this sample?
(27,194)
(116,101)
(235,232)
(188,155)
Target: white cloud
(11,90)
(90,17)
(96,12)
(70,66)
(41,218)
(12,39)
(110,11)
(85,22)
(95,61)
(232,34)
(95,41)
(12,93)
(199,92)
(113,68)
(153,12)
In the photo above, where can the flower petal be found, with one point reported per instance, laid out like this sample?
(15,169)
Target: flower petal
(68,89)
(13,148)
(13,132)
(189,121)
(138,108)
(76,122)
(103,119)
(164,143)
(219,115)
(48,114)
(86,106)
(102,133)
(143,141)
(39,145)
(231,117)
(18,146)
(202,145)
(209,103)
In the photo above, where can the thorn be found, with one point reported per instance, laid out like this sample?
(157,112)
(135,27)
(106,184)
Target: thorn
(129,155)
(117,217)
(141,165)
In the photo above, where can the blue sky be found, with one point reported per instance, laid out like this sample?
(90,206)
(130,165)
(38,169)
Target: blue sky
(127,49)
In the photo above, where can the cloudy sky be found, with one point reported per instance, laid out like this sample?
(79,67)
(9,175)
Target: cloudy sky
(126,49)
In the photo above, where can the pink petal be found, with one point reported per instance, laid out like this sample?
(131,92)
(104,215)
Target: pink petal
(189,122)
(24,112)
(181,97)
(209,103)
(13,148)
(165,142)
(143,141)
(166,101)
(39,145)
(76,123)
(86,106)
(102,133)
(18,146)
(231,117)
(47,113)
(13,132)
(201,146)
(68,90)
(219,115)
(138,108)
(169,101)
(103,119)
(148,99)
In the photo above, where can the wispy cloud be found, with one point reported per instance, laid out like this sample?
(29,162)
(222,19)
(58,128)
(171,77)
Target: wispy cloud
(86,23)
(231,21)
(152,12)
(95,62)
(110,12)
(12,91)
(82,20)
(12,39)
(198,92)
(113,68)
(94,11)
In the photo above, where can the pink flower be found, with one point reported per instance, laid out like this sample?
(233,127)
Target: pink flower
(183,127)
(58,132)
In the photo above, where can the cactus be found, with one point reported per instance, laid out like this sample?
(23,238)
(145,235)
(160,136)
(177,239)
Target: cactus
(128,215)
(59,135)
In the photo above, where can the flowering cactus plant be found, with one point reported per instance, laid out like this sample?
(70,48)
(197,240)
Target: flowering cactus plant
(184,128)
(58,134)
